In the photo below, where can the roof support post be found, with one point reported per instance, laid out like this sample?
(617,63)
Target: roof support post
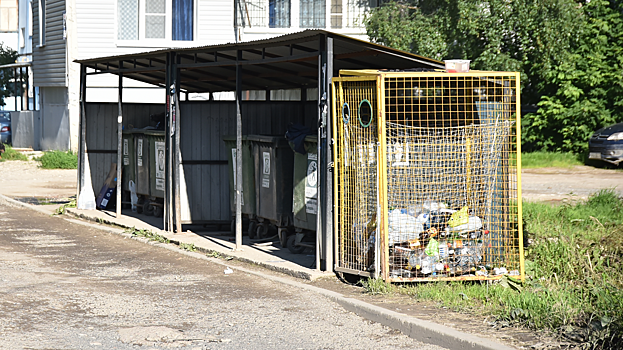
(327,142)
(324,226)
(178,155)
(320,252)
(119,141)
(168,193)
(238,152)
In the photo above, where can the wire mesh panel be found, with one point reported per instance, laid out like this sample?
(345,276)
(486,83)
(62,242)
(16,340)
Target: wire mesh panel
(356,135)
(452,205)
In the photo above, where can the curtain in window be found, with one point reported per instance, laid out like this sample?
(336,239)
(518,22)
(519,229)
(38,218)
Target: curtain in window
(183,19)
(279,13)
(127,13)
(312,13)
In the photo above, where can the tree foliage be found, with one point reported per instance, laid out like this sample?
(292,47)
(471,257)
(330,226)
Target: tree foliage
(589,85)
(7,56)
(568,54)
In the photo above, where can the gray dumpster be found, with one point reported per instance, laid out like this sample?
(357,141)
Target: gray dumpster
(274,161)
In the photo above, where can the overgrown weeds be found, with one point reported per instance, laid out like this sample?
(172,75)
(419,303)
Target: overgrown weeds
(151,236)
(574,279)
(63,208)
(11,154)
(59,160)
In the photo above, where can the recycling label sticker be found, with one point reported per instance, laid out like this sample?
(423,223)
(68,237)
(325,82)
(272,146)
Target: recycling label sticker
(266,170)
(139,152)
(311,182)
(160,163)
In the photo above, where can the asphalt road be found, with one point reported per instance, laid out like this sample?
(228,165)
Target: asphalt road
(70,286)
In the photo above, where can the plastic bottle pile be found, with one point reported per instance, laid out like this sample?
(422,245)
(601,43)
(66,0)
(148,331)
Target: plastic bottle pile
(434,241)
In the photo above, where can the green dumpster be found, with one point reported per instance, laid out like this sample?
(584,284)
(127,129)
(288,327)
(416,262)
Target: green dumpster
(274,161)
(141,146)
(305,196)
(156,162)
(248,180)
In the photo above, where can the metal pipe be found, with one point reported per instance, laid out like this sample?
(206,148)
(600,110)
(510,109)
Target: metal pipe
(21,86)
(119,142)
(83,143)
(178,155)
(15,86)
(238,152)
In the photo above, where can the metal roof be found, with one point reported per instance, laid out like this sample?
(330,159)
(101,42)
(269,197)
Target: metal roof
(284,62)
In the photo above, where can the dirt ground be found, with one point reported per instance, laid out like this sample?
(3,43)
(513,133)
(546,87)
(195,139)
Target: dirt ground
(559,184)
(26,179)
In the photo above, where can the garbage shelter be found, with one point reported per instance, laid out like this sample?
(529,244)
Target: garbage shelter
(196,175)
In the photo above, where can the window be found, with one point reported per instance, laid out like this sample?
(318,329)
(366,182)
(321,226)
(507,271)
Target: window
(8,16)
(41,22)
(155,19)
(279,13)
(336,13)
(312,13)
(356,10)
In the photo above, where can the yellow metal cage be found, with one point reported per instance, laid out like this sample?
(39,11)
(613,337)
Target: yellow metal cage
(427,175)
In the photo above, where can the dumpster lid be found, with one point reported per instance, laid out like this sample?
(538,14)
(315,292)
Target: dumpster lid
(152,132)
(279,140)
(233,138)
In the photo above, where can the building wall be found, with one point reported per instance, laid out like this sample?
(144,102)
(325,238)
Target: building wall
(55,119)
(49,60)
(97,23)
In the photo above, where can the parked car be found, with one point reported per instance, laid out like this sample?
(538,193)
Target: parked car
(607,144)
(5,127)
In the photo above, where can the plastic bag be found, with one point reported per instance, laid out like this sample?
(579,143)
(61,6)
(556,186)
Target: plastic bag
(473,223)
(403,227)
(460,217)
(432,249)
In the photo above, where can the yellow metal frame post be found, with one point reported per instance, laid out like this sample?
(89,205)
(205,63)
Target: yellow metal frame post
(382,178)
(522,268)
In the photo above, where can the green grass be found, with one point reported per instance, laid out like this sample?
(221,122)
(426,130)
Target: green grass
(549,159)
(574,269)
(11,154)
(59,160)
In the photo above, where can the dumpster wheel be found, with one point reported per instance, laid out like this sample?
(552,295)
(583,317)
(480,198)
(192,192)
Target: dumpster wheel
(292,245)
(148,209)
(262,230)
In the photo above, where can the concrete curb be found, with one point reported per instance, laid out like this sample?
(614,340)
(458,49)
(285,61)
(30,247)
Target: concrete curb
(421,330)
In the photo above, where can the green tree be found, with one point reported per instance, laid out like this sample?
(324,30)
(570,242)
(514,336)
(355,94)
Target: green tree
(7,56)
(589,83)
(528,36)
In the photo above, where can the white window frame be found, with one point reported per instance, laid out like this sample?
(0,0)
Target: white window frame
(168,34)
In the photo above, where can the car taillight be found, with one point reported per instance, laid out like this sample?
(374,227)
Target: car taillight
(5,129)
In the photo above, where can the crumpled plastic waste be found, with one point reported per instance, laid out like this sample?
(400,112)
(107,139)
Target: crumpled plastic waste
(432,249)
(403,227)
(474,223)
(459,218)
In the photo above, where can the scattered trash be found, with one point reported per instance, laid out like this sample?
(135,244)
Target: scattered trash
(228,271)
